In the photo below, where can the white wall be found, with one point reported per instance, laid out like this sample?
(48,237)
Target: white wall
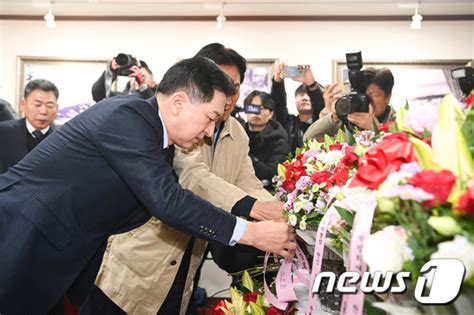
(161,43)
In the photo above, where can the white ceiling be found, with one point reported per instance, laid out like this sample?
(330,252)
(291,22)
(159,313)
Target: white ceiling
(236,7)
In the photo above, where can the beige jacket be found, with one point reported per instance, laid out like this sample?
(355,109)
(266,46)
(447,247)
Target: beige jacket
(325,125)
(139,266)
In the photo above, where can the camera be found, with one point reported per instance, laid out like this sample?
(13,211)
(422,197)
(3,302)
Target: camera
(355,100)
(464,77)
(125,61)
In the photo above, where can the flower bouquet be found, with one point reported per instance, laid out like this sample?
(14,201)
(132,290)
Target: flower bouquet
(392,201)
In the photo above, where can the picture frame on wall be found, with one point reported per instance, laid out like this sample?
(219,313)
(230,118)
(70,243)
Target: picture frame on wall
(257,77)
(73,77)
(417,82)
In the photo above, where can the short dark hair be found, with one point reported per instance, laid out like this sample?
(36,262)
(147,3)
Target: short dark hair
(198,77)
(383,78)
(40,84)
(267,100)
(143,64)
(224,56)
(302,89)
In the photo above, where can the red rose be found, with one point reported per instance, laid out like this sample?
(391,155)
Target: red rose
(382,159)
(216,309)
(335,147)
(298,170)
(466,202)
(438,184)
(289,185)
(272,310)
(385,127)
(350,157)
(250,297)
(320,177)
(340,176)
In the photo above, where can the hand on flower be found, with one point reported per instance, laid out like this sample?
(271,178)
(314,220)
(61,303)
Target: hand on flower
(267,211)
(364,120)
(137,74)
(332,93)
(278,67)
(269,236)
(308,78)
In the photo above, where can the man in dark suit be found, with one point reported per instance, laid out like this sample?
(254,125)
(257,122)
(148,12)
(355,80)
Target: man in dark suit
(104,173)
(18,137)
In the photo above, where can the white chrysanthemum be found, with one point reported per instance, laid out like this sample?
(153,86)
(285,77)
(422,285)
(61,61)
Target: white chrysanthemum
(292,219)
(459,248)
(303,225)
(393,240)
(331,158)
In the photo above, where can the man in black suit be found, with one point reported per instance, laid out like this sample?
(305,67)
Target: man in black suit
(104,173)
(18,137)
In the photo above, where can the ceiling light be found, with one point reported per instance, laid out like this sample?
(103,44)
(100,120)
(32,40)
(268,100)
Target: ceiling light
(49,18)
(416,20)
(221,18)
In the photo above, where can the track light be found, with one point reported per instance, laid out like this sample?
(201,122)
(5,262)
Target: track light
(416,20)
(49,18)
(221,18)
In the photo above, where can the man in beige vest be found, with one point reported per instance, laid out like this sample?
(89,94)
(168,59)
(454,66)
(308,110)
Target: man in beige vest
(143,278)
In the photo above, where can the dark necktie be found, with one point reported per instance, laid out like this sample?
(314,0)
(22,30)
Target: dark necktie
(37,134)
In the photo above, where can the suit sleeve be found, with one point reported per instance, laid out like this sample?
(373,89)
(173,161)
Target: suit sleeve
(278,95)
(129,141)
(322,126)
(98,89)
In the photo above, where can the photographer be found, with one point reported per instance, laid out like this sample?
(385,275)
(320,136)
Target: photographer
(123,65)
(379,84)
(268,140)
(308,100)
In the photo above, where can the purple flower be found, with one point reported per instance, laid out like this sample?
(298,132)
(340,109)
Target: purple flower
(303,182)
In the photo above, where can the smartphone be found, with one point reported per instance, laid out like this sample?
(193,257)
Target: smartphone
(292,72)
(252,109)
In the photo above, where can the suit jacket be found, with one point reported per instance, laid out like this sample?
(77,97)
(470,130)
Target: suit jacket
(102,173)
(140,266)
(13,142)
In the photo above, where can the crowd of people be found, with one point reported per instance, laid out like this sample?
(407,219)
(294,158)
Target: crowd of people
(114,212)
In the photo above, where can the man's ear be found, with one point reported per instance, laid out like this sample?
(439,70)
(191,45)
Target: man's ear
(271,114)
(177,102)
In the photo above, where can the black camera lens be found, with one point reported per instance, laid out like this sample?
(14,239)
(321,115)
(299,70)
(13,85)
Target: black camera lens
(123,59)
(343,107)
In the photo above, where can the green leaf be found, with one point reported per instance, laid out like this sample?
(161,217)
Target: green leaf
(327,142)
(247,281)
(255,309)
(346,215)
(371,310)
(340,137)
(376,128)
(349,136)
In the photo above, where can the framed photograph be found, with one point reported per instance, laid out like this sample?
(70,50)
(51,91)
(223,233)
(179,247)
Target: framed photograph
(416,81)
(257,77)
(73,77)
